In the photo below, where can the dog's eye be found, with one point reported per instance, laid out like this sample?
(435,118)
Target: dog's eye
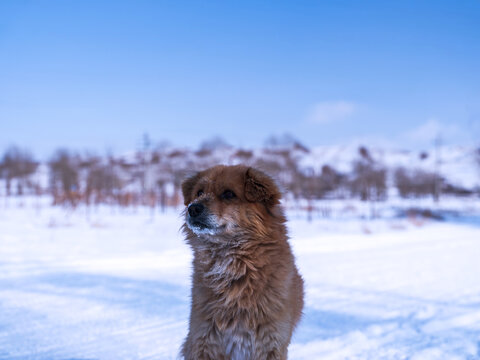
(228,194)
(200,193)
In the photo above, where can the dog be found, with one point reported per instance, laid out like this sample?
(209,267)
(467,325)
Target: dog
(247,294)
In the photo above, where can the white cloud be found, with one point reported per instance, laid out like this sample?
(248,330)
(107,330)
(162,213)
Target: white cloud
(431,129)
(329,111)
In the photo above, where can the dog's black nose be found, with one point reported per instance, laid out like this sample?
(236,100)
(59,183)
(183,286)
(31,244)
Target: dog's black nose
(195,210)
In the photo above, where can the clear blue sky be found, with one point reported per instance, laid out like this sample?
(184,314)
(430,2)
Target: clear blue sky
(98,74)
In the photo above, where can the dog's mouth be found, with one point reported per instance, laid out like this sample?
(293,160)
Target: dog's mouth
(203,226)
(199,224)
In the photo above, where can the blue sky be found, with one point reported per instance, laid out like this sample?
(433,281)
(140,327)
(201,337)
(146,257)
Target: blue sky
(98,74)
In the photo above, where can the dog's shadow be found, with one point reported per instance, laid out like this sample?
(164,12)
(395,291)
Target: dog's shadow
(317,324)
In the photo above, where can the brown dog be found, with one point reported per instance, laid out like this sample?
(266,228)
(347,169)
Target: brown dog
(247,294)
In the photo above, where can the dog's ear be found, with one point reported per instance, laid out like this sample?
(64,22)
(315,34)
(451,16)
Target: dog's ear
(187,187)
(259,187)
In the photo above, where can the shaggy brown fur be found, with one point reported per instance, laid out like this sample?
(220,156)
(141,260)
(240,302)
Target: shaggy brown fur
(247,295)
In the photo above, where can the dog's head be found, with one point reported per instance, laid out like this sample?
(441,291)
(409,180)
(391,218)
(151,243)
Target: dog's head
(225,201)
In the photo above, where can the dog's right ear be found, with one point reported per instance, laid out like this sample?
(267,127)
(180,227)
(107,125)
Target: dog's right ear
(187,187)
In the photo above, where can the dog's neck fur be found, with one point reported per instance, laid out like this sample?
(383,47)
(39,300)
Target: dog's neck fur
(235,269)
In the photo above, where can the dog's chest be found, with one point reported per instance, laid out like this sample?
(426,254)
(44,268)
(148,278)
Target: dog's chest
(239,344)
(221,271)
(221,276)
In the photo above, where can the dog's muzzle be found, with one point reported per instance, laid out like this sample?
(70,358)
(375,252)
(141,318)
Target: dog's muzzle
(199,220)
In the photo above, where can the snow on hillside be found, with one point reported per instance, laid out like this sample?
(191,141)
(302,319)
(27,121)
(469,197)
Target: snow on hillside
(457,164)
(114,284)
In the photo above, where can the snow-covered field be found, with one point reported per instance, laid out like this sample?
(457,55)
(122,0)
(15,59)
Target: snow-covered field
(114,284)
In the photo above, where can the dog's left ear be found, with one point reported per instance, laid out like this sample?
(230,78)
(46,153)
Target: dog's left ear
(259,187)
(187,188)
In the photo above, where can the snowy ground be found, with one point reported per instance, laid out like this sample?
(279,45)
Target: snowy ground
(111,284)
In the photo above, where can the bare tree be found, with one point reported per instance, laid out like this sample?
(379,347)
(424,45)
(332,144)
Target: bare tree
(369,181)
(64,177)
(310,185)
(284,141)
(477,156)
(242,156)
(477,159)
(102,183)
(329,180)
(438,161)
(369,178)
(17,164)
(213,144)
(415,183)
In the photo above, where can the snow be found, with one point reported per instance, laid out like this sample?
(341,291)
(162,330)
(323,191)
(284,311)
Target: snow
(107,283)
(457,164)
